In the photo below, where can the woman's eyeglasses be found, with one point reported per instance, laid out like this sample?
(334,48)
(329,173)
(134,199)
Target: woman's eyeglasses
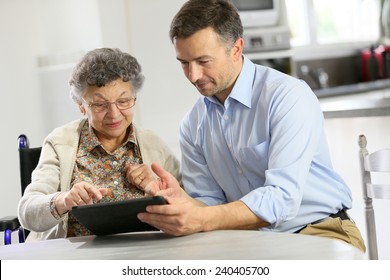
(121,104)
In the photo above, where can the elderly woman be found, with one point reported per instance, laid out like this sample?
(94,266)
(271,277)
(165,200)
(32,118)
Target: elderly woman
(93,159)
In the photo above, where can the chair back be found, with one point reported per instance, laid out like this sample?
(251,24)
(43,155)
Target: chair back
(378,161)
(28,160)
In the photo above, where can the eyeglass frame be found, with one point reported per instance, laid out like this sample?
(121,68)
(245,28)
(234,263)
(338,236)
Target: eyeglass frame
(107,104)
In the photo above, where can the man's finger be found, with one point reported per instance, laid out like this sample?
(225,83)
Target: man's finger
(160,172)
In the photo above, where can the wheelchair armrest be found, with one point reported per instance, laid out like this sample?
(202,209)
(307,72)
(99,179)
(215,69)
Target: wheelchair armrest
(8,225)
(9,222)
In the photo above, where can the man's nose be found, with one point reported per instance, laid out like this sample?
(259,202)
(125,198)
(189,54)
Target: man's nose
(194,72)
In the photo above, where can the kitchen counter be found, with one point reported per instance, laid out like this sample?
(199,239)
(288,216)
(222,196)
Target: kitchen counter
(353,89)
(358,100)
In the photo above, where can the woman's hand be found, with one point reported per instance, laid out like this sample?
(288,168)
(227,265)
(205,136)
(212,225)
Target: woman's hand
(140,175)
(80,194)
(154,180)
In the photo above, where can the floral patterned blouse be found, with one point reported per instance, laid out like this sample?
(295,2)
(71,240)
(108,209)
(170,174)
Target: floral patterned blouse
(101,168)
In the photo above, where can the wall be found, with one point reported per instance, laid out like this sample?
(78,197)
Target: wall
(167,95)
(41,44)
(22,110)
(42,40)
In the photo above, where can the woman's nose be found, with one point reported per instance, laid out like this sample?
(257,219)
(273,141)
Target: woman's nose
(113,110)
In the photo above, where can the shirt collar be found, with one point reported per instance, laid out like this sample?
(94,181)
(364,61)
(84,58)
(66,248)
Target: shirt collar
(242,90)
(89,140)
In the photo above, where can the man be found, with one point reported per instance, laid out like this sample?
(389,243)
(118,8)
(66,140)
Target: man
(254,152)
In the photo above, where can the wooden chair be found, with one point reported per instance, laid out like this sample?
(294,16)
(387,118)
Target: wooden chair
(378,161)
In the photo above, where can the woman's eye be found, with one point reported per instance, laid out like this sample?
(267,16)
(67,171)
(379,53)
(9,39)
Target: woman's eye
(98,105)
(123,101)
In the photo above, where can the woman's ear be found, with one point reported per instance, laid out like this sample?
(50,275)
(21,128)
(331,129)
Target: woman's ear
(82,109)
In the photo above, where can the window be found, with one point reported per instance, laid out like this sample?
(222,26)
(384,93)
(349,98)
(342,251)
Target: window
(333,24)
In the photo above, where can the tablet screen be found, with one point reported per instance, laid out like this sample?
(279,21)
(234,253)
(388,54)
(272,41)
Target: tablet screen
(115,217)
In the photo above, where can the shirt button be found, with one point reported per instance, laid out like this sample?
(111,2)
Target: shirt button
(116,182)
(240,172)
(226,118)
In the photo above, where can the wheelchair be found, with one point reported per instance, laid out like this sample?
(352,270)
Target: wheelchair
(28,160)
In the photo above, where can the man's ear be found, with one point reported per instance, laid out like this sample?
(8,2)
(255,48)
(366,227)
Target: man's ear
(237,48)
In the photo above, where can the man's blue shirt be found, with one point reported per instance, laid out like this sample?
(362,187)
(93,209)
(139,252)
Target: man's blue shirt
(265,146)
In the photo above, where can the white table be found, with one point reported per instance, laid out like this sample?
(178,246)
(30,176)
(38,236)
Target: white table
(217,245)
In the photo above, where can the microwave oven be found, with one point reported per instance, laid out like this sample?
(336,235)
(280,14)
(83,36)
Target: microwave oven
(258,13)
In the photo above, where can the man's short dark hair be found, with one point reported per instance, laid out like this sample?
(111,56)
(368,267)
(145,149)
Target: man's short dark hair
(196,15)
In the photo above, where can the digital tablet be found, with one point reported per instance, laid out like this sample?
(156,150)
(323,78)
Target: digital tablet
(115,217)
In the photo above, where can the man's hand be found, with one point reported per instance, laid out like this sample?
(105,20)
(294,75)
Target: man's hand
(179,217)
